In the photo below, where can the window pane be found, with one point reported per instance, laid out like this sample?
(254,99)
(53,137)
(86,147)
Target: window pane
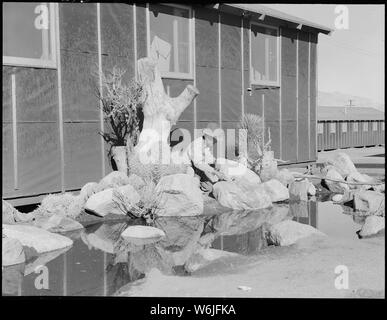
(26,30)
(355,127)
(375,126)
(344,127)
(333,127)
(383,125)
(365,126)
(263,53)
(320,128)
(169,38)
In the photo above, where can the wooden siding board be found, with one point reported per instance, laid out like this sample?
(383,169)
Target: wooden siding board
(7,93)
(230,41)
(7,163)
(78,27)
(141,30)
(38,158)
(82,156)
(78,86)
(231,94)
(36,95)
(117,30)
(206,38)
(207,102)
(303,108)
(288,96)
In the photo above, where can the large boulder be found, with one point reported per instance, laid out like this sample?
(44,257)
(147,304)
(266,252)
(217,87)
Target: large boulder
(36,238)
(343,164)
(114,179)
(11,215)
(241,222)
(276,190)
(288,232)
(335,186)
(372,225)
(180,195)
(142,234)
(104,202)
(58,223)
(12,252)
(370,201)
(66,204)
(236,170)
(234,196)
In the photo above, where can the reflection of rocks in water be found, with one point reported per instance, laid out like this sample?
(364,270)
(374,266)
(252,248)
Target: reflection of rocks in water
(299,209)
(105,237)
(182,235)
(248,243)
(240,222)
(12,278)
(43,259)
(242,231)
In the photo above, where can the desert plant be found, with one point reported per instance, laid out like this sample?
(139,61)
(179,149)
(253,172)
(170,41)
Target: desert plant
(253,132)
(122,108)
(145,208)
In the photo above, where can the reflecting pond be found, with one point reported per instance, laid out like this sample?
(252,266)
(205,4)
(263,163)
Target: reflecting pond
(100,262)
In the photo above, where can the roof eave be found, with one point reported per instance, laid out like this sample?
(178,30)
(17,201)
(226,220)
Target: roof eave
(263,11)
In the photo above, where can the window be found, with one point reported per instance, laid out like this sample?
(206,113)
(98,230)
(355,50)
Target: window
(382,125)
(333,127)
(365,126)
(320,128)
(344,127)
(29,34)
(170,40)
(264,55)
(355,127)
(374,126)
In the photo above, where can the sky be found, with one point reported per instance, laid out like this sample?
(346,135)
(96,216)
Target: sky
(349,61)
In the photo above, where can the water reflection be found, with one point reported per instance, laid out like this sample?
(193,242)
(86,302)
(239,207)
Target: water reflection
(100,261)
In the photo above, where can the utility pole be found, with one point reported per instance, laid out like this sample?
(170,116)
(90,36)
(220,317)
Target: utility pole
(350,105)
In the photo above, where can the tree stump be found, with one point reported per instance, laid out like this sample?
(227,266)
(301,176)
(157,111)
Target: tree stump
(161,112)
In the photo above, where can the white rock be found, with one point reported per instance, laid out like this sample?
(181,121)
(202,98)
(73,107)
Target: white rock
(337,197)
(237,170)
(343,164)
(298,190)
(288,232)
(334,186)
(232,195)
(12,252)
(372,202)
(37,238)
(372,225)
(102,203)
(180,195)
(285,177)
(276,190)
(142,234)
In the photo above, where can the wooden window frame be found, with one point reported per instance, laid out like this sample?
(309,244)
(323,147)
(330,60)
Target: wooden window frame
(39,63)
(332,125)
(191,27)
(265,82)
